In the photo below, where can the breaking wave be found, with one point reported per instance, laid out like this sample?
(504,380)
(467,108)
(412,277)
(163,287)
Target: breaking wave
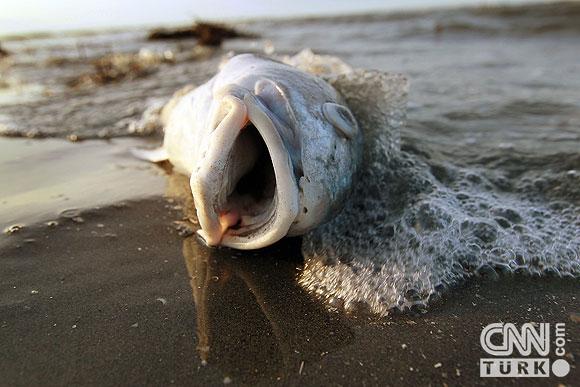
(415,227)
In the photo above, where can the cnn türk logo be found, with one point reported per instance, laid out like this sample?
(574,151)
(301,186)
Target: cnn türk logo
(502,340)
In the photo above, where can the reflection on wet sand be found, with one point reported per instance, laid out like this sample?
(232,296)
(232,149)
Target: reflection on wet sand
(252,316)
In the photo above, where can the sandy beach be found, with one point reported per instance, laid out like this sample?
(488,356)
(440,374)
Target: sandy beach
(117,294)
(123,299)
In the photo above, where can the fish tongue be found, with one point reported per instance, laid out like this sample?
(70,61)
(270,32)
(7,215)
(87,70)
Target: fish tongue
(228,219)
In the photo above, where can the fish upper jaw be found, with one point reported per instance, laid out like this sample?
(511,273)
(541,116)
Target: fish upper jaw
(245,143)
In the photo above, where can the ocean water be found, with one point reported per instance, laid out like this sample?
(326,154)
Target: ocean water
(479,175)
(417,224)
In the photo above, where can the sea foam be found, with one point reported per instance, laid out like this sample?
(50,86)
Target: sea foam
(415,227)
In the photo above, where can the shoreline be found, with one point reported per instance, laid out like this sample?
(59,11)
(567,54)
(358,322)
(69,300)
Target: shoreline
(52,178)
(124,298)
(132,302)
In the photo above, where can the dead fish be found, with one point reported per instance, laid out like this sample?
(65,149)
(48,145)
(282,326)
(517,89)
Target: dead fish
(272,151)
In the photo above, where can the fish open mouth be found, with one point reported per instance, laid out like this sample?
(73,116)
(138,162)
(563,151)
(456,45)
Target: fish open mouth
(245,190)
(254,189)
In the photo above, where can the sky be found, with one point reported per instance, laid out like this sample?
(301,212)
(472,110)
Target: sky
(18,16)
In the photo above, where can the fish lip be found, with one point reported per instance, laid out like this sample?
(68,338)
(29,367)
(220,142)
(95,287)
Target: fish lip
(286,200)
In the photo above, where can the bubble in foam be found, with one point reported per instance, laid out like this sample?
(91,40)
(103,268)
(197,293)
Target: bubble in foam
(414,227)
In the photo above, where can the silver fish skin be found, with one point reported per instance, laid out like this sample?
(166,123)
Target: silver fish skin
(272,151)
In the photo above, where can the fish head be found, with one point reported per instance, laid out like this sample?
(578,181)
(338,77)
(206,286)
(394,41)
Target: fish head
(268,167)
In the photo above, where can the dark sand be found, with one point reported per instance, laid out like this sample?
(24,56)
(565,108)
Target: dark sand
(88,305)
(120,298)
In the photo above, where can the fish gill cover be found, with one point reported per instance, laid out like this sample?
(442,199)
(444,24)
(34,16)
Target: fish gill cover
(413,227)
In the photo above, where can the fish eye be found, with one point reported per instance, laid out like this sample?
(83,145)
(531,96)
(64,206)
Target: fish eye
(341,118)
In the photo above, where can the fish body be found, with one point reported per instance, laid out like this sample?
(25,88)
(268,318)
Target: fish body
(271,150)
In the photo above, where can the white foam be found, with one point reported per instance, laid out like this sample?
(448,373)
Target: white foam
(414,227)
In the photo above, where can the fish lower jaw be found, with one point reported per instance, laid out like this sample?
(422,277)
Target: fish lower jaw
(247,233)
(238,230)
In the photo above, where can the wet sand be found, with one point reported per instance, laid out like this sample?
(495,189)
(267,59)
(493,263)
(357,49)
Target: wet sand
(120,298)
(113,305)
(51,178)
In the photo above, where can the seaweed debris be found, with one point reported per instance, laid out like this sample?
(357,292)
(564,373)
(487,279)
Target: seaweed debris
(208,34)
(122,66)
(3,52)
